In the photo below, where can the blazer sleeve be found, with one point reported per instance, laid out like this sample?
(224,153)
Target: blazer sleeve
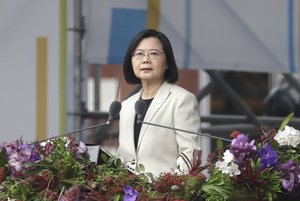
(187,117)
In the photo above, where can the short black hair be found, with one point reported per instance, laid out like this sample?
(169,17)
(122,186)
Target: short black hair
(171,74)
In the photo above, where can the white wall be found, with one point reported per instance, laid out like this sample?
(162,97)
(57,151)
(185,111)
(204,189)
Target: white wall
(21,22)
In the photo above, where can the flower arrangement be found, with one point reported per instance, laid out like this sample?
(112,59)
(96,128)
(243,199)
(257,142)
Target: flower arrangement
(262,169)
(59,169)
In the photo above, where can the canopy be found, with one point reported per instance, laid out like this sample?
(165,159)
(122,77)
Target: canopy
(257,36)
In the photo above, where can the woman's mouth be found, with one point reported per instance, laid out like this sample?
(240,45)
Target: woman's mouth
(146,69)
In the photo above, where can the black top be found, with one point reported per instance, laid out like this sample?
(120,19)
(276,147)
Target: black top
(137,126)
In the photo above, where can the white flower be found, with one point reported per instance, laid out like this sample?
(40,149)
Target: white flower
(234,170)
(82,148)
(222,166)
(228,156)
(44,143)
(288,136)
(227,166)
(231,168)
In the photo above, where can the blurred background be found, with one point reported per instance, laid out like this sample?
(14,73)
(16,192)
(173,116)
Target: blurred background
(61,63)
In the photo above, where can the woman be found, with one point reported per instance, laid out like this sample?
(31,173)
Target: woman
(150,61)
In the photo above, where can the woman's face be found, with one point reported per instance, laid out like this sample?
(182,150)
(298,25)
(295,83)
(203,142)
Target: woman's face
(149,61)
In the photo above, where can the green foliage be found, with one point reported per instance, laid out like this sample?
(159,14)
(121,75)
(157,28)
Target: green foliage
(17,190)
(289,153)
(218,187)
(117,197)
(272,181)
(62,163)
(3,159)
(192,188)
(63,172)
(255,165)
(220,145)
(286,120)
(60,168)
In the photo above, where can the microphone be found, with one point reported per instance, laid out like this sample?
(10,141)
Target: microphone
(114,109)
(140,108)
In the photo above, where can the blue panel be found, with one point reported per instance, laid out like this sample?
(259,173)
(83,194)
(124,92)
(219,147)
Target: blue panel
(125,24)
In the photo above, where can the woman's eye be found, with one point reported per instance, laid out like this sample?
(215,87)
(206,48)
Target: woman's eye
(139,54)
(154,53)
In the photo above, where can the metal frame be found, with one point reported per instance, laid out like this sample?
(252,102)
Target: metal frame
(223,125)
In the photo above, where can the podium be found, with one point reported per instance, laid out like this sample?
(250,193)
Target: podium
(96,152)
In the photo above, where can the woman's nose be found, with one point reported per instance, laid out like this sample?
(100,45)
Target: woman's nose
(146,58)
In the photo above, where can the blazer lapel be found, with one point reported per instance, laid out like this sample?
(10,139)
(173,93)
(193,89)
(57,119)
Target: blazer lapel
(159,99)
(130,113)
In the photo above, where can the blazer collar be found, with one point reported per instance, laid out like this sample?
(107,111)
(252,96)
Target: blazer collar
(160,97)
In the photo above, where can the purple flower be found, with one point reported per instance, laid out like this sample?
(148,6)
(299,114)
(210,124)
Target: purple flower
(73,193)
(242,149)
(130,193)
(14,160)
(290,175)
(19,153)
(268,157)
(29,153)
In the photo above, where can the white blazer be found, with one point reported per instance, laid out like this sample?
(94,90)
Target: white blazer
(158,148)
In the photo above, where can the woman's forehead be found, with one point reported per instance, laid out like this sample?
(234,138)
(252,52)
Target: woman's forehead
(149,43)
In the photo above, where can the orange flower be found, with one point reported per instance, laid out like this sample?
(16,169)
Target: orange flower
(234,134)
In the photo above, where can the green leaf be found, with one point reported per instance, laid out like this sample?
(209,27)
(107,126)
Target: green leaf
(3,159)
(144,177)
(118,163)
(220,145)
(286,121)
(218,187)
(104,157)
(142,167)
(117,197)
(255,165)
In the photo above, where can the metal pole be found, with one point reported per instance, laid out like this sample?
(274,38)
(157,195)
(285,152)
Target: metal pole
(77,74)
(97,87)
(210,86)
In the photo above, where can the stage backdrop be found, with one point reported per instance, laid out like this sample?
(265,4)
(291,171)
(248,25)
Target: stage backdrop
(259,36)
(29,69)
